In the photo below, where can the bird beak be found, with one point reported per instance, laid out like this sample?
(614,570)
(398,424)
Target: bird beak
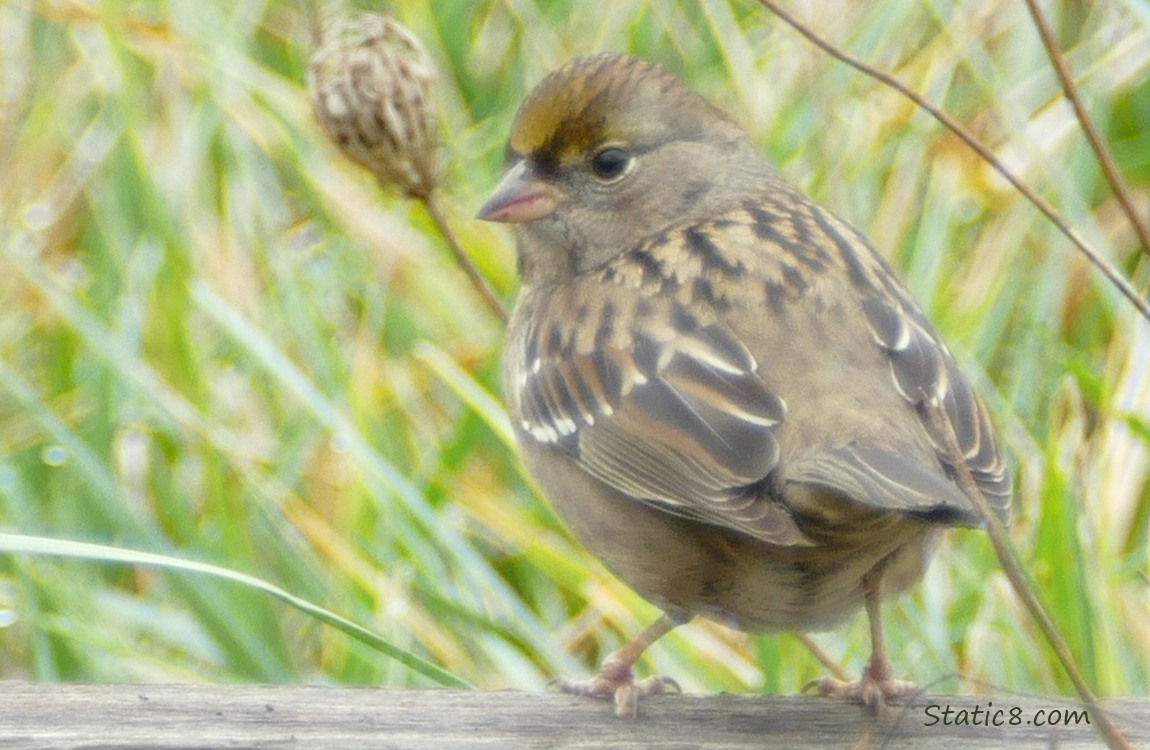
(519,197)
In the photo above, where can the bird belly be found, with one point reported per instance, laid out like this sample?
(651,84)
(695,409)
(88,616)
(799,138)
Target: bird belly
(688,568)
(817,587)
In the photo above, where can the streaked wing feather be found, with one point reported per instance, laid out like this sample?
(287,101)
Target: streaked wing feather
(924,372)
(664,409)
(885,480)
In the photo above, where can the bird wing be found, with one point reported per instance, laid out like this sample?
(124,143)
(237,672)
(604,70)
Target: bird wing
(658,404)
(662,401)
(922,369)
(926,376)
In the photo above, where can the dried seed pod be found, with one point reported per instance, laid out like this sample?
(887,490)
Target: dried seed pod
(371,84)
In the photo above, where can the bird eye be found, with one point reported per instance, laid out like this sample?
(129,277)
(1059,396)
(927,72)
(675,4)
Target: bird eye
(611,163)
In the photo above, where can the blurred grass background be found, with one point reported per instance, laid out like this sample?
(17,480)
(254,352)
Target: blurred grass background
(219,340)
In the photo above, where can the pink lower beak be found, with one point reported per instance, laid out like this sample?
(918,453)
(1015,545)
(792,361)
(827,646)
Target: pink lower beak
(519,197)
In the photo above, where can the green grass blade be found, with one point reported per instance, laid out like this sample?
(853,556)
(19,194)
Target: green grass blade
(38,545)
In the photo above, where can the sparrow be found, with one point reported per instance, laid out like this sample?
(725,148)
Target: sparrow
(722,388)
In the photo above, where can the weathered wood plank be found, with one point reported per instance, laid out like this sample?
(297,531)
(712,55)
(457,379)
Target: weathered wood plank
(37,716)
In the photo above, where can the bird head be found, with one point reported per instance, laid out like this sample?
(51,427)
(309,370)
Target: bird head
(607,151)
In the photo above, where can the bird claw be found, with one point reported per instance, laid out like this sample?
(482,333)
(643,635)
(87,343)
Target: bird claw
(616,681)
(870,691)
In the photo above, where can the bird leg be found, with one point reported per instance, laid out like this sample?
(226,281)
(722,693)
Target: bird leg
(616,678)
(877,683)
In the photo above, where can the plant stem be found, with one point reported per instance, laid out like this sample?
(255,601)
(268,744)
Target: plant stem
(477,279)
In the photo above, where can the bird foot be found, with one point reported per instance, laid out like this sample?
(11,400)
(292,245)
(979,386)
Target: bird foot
(874,689)
(616,681)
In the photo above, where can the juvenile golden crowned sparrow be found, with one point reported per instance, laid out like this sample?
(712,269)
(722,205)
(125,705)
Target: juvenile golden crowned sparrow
(722,387)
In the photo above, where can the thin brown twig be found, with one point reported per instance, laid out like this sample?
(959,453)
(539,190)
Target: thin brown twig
(1108,270)
(824,658)
(478,280)
(1019,581)
(1101,151)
